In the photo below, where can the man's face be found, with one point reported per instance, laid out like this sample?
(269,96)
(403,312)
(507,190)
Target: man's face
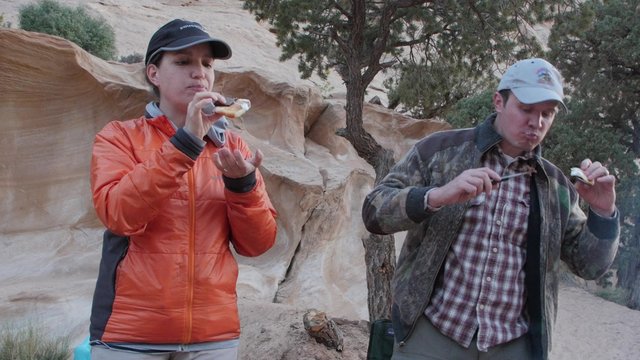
(181,74)
(522,126)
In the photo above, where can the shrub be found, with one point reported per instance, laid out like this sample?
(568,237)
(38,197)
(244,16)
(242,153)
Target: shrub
(471,110)
(75,24)
(616,295)
(5,24)
(30,343)
(132,58)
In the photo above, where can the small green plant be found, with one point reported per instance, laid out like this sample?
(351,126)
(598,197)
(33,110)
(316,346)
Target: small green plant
(326,88)
(94,35)
(31,342)
(616,295)
(5,24)
(132,58)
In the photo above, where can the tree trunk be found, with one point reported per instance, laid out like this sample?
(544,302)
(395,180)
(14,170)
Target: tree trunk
(380,254)
(381,263)
(632,273)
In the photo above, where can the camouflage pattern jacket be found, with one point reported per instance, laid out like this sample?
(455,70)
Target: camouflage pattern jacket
(558,228)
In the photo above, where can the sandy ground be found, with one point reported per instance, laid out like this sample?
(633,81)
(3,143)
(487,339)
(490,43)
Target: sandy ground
(587,328)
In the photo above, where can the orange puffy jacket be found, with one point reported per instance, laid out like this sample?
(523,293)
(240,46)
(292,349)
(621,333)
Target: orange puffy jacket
(167,273)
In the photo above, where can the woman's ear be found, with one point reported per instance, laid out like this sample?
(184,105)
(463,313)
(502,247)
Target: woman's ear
(152,74)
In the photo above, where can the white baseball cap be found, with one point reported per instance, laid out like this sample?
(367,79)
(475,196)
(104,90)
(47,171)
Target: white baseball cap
(533,81)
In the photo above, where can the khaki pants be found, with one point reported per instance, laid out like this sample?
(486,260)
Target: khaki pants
(103,353)
(427,342)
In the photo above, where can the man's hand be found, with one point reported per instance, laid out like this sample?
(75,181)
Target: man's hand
(601,196)
(233,165)
(464,187)
(196,122)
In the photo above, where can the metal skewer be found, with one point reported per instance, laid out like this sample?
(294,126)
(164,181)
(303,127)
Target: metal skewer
(507,177)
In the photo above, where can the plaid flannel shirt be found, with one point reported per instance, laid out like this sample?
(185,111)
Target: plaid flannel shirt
(484,269)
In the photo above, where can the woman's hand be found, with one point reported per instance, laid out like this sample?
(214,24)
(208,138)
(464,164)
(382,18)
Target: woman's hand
(196,122)
(234,165)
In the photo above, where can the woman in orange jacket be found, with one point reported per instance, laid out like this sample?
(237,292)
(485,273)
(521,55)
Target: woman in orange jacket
(174,190)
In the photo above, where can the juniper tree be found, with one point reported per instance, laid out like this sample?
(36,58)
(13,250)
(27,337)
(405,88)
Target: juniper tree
(442,42)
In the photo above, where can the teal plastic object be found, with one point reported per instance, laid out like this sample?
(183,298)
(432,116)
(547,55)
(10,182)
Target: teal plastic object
(82,351)
(381,340)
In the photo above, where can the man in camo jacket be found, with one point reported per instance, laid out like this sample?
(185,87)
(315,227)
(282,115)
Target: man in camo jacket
(477,277)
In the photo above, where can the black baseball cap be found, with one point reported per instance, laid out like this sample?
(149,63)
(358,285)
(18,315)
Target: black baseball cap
(180,34)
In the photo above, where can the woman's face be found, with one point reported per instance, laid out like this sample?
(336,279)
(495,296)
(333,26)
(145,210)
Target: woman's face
(181,74)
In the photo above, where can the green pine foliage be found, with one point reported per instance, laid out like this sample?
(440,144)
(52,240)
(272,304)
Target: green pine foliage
(471,110)
(428,90)
(94,35)
(466,41)
(443,51)
(597,49)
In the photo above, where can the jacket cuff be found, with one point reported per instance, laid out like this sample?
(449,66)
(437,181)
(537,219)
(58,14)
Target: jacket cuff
(604,227)
(240,185)
(187,143)
(415,204)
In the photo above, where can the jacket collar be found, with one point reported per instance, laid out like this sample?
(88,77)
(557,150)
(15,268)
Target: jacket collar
(216,133)
(158,120)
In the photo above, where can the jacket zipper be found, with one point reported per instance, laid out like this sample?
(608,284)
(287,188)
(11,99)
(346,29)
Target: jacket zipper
(543,281)
(191,261)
